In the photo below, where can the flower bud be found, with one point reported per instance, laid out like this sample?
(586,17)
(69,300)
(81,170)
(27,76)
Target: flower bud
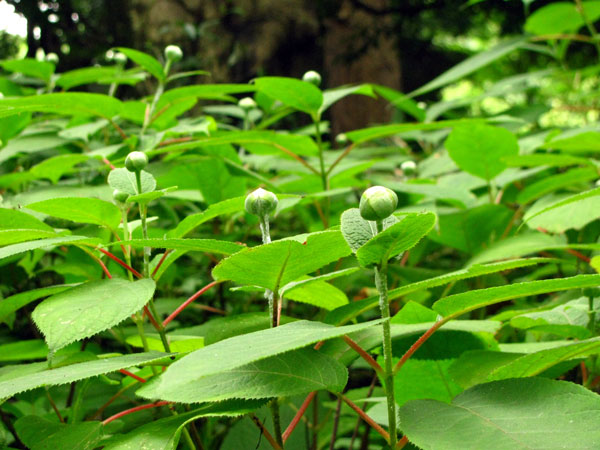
(261,202)
(120,59)
(136,161)
(52,58)
(173,53)
(120,196)
(312,77)
(342,140)
(247,103)
(378,203)
(408,167)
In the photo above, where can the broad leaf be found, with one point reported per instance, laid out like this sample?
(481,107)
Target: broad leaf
(510,414)
(198,245)
(82,210)
(358,231)
(561,17)
(11,304)
(67,104)
(29,67)
(125,181)
(42,434)
(90,308)
(26,377)
(146,61)
(23,247)
(297,94)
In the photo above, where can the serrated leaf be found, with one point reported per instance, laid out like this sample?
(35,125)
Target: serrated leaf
(238,351)
(22,247)
(164,434)
(479,149)
(125,181)
(396,239)
(562,215)
(522,413)
(31,376)
(146,61)
(455,305)
(358,231)
(8,237)
(297,94)
(346,313)
(54,168)
(552,183)
(15,219)
(474,366)
(11,304)
(198,245)
(292,373)
(42,434)
(89,308)
(80,209)
(67,104)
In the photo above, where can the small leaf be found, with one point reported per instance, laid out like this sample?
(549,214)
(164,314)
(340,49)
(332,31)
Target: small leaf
(297,94)
(146,61)
(480,149)
(42,434)
(125,181)
(80,209)
(396,239)
(54,168)
(521,413)
(358,231)
(90,308)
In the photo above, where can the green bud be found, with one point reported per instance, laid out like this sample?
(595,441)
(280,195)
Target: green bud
(312,77)
(120,59)
(593,292)
(342,140)
(378,203)
(120,196)
(408,167)
(247,103)
(173,53)
(136,161)
(52,57)
(261,202)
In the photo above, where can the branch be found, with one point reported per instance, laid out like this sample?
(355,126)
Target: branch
(120,262)
(265,433)
(368,358)
(418,344)
(296,420)
(366,418)
(190,300)
(132,410)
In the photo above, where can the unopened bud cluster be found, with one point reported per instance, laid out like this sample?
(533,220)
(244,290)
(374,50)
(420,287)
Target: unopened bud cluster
(378,203)
(261,202)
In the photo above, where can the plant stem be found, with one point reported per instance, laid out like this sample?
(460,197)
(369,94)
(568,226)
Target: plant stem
(384,305)
(321,158)
(589,25)
(591,316)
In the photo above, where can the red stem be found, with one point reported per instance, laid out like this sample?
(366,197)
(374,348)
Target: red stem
(132,410)
(265,433)
(151,318)
(162,259)
(121,262)
(132,375)
(402,442)
(366,418)
(368,358)
(296,420)
(188,301)
(418,344)
(108,163)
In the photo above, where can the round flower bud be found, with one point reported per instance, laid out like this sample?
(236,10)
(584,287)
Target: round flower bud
(247,103)
(120,59)
(341,139)
(136,161)
(120,196)
(52,57)
(261,202)
(378,203)
(408,167)
(312,77)
(173,53)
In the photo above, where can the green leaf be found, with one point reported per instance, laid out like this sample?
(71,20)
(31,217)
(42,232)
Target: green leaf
(346,313)
(510,414)
(585,142)
(479,149)
(274,265)
(15,236)
(292,373)
(552,183)
(455,305)
(80,209)
(192,221)
(358,231)
(164,434)
(125,181)
(13,303)
(568,320)
(396,239)
(546,159)
(474,366)
(561,17)
(86,75)
(297,94)
(23,350)
(89,308)
(31,376)
(29,67)
(558,219)
(54,168)
(582,196)
(534,364)
(331,96)
(15,219)
(42,434)
(198,245)
(182,377)
(519,245)
(23,247)
(472,64)
(146,61)
(67,104)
